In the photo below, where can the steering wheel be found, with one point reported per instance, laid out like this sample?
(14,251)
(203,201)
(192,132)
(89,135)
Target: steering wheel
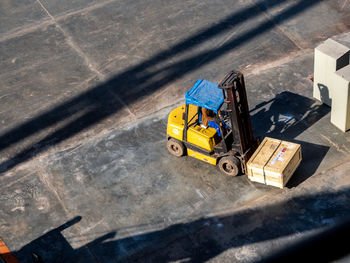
(225,118)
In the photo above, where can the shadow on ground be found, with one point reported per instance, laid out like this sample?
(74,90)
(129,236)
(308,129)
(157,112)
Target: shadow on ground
(281,224)
(142,80)
(287,116)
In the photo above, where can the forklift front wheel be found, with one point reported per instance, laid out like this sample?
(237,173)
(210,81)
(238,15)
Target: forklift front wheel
(230,165)
(175,147)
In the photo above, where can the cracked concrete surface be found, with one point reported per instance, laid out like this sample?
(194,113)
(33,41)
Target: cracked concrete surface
(85,89)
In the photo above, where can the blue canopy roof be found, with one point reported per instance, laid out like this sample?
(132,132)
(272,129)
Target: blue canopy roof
(205,94)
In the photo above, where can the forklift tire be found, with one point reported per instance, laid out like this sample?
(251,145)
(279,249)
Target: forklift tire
(230,165)
(176,147)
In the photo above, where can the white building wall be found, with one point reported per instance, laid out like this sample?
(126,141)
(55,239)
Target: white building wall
(332,79)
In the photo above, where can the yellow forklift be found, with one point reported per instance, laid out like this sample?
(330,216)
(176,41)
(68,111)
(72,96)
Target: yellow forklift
(214,125)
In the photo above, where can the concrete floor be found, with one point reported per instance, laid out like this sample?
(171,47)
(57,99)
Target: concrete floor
(85,90)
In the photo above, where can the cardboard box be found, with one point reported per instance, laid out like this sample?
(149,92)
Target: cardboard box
(274,162)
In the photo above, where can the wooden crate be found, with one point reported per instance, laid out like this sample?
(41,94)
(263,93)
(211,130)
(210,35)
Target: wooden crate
(274,162)
(260,158)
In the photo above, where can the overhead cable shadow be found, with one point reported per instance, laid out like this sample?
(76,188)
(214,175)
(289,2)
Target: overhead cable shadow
(262,230)
(45,245)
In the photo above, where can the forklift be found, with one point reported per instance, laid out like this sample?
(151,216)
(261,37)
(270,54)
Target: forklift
(214,125)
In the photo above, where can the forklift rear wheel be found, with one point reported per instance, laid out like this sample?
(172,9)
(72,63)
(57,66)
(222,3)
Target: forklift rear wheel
(230,165)
(175,147)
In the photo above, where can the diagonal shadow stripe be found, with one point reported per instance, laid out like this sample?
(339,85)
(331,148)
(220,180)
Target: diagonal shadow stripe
(99,101)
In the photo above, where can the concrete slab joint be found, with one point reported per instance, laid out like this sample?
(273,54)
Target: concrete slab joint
(332,78)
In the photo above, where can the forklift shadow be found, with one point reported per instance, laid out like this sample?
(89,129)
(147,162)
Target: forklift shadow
(287,116)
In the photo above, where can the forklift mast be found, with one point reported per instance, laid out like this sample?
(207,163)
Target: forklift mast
(235,96)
